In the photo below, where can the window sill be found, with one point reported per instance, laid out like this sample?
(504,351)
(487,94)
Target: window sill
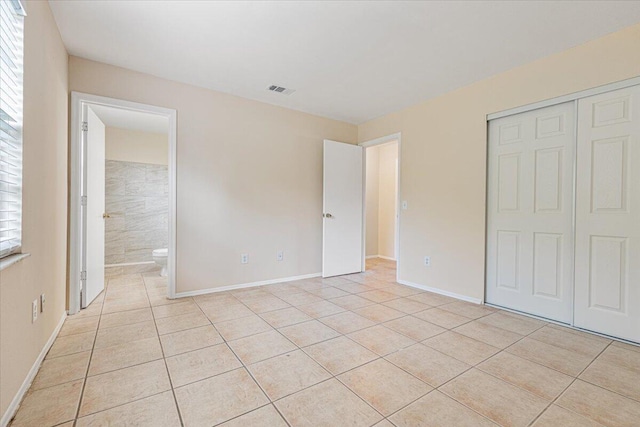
(12,259)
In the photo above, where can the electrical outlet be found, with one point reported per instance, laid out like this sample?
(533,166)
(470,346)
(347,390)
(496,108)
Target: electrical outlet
(405,205)
(427,261)
(244,259)
(34,310)
(280,255)
(42,300)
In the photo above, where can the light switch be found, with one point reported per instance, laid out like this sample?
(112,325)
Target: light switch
(405,205)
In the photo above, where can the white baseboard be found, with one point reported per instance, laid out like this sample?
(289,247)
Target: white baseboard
(127,264)
(246,285)
(381,257)
(441,292)
(15,403)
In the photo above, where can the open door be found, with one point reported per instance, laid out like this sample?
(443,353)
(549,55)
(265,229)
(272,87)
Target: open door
(93,213)
(342,209)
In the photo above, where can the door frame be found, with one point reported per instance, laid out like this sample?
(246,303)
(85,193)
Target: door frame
(371,143)
(609,87)
(77,170)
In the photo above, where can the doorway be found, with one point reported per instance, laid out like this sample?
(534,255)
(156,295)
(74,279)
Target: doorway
(136,182)
(345,198)
(123,194)
(381,199)
(381,196)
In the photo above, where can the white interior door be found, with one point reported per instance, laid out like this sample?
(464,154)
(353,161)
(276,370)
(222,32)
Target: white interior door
(608,214)
(94,179)
(342,209)
(530,212)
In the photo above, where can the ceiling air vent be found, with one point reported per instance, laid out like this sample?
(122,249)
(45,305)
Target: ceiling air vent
(280,89)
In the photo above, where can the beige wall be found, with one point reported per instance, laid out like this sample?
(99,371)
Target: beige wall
(44,204)
(136,146)
(387,201)
(381,199)
(372,177)
(249,177)
(444,156)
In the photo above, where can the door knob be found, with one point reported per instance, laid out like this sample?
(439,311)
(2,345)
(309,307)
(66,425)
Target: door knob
(327,215)
(106,215)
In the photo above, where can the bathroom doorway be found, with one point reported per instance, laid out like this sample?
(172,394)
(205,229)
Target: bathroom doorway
(123,181)
(136,192)
(381,200)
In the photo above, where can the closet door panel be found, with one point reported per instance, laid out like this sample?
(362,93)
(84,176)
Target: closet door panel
(607,282)
(530,212)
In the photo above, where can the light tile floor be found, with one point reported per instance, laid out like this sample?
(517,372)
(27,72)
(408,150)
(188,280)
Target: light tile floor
(359,350)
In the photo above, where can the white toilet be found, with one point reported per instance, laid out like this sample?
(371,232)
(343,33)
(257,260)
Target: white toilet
(160,257)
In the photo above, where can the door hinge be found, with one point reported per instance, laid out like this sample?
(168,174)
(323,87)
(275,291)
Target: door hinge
(85,126)
(83,276)
(83,201)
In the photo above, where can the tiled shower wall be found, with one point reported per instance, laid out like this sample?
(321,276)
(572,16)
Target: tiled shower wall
(137,198)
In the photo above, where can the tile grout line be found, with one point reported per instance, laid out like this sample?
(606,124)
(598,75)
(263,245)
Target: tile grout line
(380,357)
(568,386)
(93,346)
(539,364)
(384,417)
(605,388)
(296,323)
(552,345)
(436,388)
(243,366)
(137,364)
(122,404)
(305,353)
(251,411)
(474,367)
(164,359)
(246,367)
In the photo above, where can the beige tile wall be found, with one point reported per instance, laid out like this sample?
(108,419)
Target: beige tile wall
(137,200)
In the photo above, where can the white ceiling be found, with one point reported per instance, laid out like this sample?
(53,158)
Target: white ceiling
(132,120)
(351,61)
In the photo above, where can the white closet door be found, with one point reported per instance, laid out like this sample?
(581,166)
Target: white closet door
(530,212)
(608,214)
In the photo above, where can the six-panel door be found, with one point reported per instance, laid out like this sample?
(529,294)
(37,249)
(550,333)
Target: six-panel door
(530,212)
(607,280)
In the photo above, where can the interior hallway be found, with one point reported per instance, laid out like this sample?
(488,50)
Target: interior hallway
(356,350)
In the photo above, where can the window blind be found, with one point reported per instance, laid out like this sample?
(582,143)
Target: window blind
(11,88)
